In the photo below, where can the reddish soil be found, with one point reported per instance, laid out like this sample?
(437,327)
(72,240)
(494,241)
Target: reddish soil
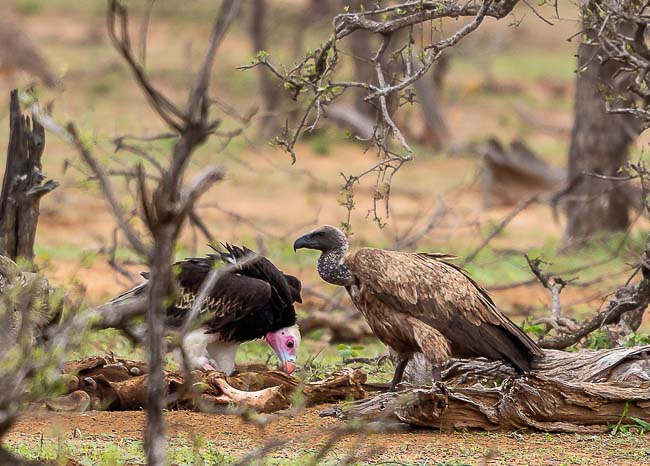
(308,432)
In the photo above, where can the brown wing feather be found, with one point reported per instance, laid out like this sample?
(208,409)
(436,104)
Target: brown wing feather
(445,297)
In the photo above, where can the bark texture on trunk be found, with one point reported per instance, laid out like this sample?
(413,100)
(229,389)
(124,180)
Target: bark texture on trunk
(22,186)
(600,143)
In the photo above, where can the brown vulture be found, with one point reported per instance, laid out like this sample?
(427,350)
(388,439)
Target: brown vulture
(419,303)
(251,301)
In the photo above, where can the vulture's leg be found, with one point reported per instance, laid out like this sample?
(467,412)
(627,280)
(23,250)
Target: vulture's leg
(402,361)
(436,373)
(434,345)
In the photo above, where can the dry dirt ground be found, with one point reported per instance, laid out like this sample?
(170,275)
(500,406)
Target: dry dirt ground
(307,433)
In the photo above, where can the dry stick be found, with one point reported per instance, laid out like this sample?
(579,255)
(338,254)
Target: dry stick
(630,298)
(144,28)
(520,207)
(165,108)
(627,298)
(108,190)
(200,224)
(170,204)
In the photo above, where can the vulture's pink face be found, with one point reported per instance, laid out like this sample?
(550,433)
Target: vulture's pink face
(285,342)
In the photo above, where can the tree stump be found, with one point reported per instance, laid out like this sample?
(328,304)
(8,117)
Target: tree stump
(22,186)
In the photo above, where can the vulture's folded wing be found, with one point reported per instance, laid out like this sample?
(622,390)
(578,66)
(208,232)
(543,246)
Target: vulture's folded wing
(233,298)
(444,296)
(263,269)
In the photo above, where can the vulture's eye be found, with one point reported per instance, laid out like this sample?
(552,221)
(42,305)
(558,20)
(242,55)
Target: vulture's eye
(290,344)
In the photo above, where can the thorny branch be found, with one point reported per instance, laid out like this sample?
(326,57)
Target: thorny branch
(623,34)
(315,79)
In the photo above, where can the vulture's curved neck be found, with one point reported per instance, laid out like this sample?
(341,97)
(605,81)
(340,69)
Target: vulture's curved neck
(332,269)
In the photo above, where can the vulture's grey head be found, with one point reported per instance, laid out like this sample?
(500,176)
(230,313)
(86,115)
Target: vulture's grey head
(326,238)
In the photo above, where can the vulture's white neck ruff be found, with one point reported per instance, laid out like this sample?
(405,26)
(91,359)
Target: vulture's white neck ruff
(332,269)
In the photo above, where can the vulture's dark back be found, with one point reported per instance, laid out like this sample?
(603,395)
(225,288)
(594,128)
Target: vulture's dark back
(248,301)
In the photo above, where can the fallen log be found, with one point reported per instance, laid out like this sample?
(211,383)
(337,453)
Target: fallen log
(120,384)
(343,327)
(507,177)
(583,392)
(623,366)
(533,401)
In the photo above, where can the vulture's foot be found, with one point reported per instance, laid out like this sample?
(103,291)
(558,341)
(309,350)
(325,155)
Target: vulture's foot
(440,396)
(209,365)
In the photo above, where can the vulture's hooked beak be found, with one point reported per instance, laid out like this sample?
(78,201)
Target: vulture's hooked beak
(301,243)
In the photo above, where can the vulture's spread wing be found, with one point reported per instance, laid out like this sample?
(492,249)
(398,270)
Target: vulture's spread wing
(445,297)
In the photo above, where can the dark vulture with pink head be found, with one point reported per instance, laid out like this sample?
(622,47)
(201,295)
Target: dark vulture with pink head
(252,300)
(420,303)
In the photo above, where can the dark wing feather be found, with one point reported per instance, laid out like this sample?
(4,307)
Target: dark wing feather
(234,302)
(295,286)
(238,307)
(262,269)
(445,297)
(245,303)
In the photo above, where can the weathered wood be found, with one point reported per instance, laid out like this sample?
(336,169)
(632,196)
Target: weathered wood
(583,392)
(23,184)
(628,366)
(535,402)
(120,384)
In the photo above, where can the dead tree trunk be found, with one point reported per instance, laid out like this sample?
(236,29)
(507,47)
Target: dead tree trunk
(22,186)
(600,144)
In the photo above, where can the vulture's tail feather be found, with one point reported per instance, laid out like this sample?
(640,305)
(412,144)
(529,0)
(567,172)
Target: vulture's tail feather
(137,290)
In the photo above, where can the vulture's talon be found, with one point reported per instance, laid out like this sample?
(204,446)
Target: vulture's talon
(208,367)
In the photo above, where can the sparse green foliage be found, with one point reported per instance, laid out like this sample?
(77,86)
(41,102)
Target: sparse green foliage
(349,351)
